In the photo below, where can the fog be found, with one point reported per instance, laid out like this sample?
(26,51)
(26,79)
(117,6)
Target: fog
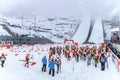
(59,7)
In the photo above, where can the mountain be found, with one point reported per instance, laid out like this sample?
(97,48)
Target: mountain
(55,29)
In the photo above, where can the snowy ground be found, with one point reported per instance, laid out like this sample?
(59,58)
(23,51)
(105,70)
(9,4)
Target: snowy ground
(14,69)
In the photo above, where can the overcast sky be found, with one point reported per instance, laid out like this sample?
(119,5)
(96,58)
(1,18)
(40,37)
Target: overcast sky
(59,7)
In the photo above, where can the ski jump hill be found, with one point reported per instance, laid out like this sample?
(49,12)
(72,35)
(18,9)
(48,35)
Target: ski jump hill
(88,32)
(82,31)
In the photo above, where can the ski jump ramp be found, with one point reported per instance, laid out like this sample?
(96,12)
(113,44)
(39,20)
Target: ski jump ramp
(97,32)
(82,32)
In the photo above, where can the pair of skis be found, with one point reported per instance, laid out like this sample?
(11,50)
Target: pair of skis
(32,62)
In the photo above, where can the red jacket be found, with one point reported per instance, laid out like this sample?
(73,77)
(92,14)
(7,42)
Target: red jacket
(59,52)
(68,53)
(27,57)
(2,57)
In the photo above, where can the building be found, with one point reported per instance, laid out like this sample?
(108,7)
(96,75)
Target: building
(23,39)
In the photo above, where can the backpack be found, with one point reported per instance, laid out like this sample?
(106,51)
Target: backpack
(102,59)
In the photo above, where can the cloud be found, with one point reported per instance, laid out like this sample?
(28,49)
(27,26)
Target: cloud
(58,7)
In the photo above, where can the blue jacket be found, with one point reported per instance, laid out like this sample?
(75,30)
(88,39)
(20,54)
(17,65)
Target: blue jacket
(44,60)
(115,51)
(52,64)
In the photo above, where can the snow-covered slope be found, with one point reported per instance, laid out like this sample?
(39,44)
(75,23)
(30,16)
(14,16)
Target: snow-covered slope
(97,33)
(82,32)
(55,29)
(107,31)
(71,70)
(3,32)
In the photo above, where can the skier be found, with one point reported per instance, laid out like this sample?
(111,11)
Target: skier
(84,55)
(58,61)
(51,65)
(88,51)
(50,55)
(99,51)
(115,51)
(27,58)
(77,56)
(63,50)
(92,53)
(106,48)
(50,47)
(102,60)
(81,53)
(2,58)
(73,51)
(96,59)
(53,50)
(89,58)
(59,52)
(107,56)
(68,54)
(44,61)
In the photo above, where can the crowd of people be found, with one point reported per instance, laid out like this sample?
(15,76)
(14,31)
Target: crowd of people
(87,54)
(83,53)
